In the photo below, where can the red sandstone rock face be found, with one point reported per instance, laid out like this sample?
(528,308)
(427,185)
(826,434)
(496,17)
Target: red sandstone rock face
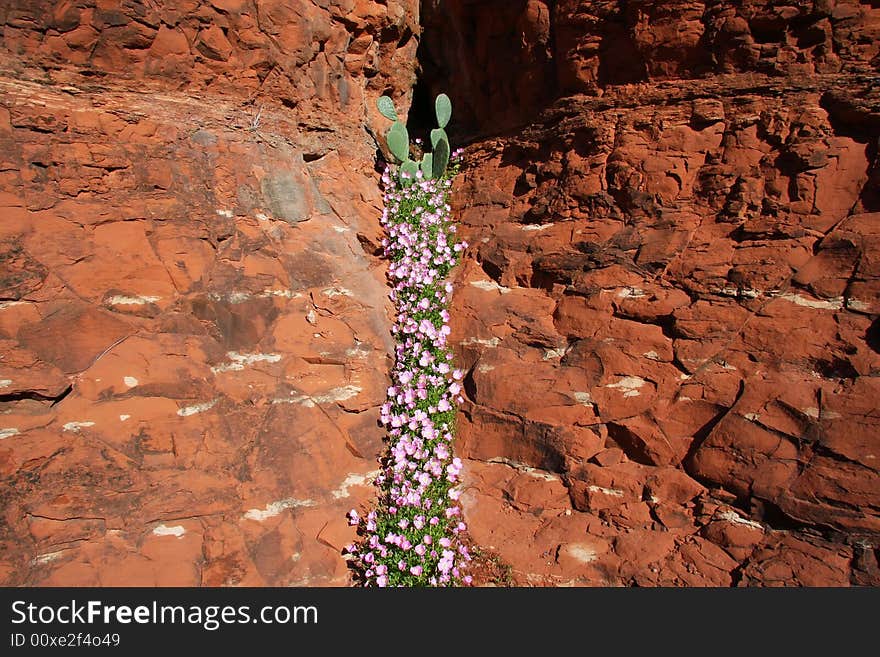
(321,59)
(669,314)
(670,308)
(193,326)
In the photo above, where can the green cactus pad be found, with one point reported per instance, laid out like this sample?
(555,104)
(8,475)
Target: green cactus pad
(436,135)
(386,107)
(398,141)
(441,158)
(427,165)
(443,109)
(410,168)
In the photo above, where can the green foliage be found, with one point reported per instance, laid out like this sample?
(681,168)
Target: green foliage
(443,110)
(398,141)
(410,168)
(436,135)
(432,165)
(386,107)
(439,140)
(441,158)
(427,165)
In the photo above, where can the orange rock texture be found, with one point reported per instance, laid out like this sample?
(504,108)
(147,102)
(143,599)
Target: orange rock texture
(194,323)
(669,313)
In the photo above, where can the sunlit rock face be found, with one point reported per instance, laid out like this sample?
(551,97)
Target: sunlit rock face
(193,319)
(669,311)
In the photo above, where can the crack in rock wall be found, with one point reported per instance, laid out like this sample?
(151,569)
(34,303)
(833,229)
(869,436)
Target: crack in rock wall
(669,313)
(193,313)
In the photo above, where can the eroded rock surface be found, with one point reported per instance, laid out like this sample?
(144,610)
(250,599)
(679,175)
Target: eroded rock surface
(669,314)
(193,320)
(670,309)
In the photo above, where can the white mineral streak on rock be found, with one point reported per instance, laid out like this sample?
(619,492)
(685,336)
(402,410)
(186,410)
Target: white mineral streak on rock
(337,292)
(491,342)
(120,300)
(164,530)
(580,552)
(186,411)
(337,395)
(239,361)
(240,296)
(490,286)
(46,557)
(76,426)
(309,401)
(550,354)
(629,385)
(819,304)
(525,469)
(353,479)
(275,508)
(732,516)
(612,492)
(630,293)
(835,303)
(815,413)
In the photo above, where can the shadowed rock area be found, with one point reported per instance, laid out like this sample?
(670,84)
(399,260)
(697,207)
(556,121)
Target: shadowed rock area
(193,320)
(669,312)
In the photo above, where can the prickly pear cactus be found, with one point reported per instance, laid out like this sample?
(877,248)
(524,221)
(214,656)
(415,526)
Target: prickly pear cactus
(443,110)
(433,164)
(427,165)
(386,107)
(436,135)
(441,158)
(410,168)
(398,141)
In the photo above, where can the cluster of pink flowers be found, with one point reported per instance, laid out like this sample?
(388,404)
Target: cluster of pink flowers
(413,537)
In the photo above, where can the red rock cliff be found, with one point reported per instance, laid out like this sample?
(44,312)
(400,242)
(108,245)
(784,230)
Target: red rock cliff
(670,311)
(193,324)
